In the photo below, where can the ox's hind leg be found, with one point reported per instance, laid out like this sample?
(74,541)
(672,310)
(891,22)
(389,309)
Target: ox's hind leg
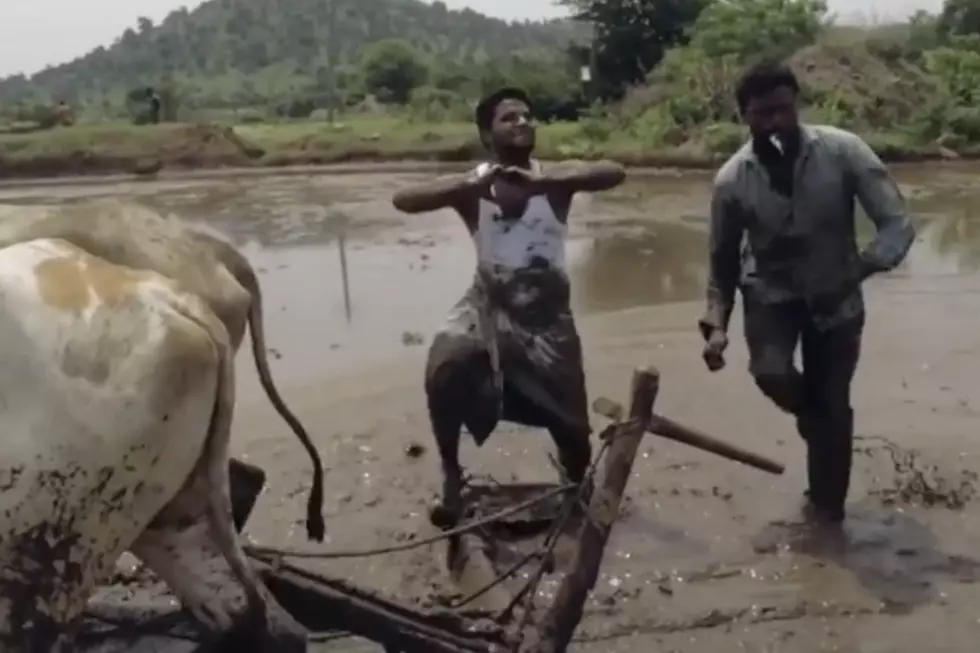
(193,546)
(180,547)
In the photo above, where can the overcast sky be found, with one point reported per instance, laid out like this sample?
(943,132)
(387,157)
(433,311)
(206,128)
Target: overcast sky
(36,33)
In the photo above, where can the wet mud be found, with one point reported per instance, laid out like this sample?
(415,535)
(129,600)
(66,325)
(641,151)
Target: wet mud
(710,555)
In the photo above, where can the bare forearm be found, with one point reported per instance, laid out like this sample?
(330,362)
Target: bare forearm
(586,177)
(439,194)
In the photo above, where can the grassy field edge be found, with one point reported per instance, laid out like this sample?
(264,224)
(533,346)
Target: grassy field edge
(102,150)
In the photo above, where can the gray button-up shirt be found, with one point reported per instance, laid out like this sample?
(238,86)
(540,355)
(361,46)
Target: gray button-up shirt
(777,248)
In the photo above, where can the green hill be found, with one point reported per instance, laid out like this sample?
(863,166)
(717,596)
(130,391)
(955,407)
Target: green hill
(236,52)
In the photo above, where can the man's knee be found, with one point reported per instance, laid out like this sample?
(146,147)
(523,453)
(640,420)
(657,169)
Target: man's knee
(771,366)
(454,362)
(785,389)
(459,387)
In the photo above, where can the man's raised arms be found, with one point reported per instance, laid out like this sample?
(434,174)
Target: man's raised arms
(445,192)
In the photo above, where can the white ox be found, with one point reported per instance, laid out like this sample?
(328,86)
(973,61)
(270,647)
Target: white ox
(116,400)
(134,236)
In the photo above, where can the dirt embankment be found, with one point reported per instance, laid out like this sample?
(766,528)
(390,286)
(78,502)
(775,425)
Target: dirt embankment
(101,151)
(144,151)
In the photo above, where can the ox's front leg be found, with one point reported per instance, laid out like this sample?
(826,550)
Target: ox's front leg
(179,546)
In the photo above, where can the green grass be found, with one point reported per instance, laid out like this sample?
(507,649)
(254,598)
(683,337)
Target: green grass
(118,138)
(105,148)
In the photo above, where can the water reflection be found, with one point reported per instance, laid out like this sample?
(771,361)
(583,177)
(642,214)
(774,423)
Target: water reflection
(653,264)
(945,203)
(278,216)
(642,244)
(272,212)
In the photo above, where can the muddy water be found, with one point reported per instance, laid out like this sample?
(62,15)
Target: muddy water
(642,245)
(708,557)
(403,274)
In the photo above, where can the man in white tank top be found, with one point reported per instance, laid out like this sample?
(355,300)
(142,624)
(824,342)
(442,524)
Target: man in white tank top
(509,349)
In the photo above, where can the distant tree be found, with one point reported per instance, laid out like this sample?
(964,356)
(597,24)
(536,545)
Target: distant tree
(631,36)
(923,32)
(392,69)
(746,28)
(959,17)
(215,47)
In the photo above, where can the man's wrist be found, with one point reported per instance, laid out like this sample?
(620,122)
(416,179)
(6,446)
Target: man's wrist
(867,268)
(474,182)
(708,328)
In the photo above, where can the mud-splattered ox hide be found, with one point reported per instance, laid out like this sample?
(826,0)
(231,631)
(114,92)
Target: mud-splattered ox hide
(116,399)
(128,234)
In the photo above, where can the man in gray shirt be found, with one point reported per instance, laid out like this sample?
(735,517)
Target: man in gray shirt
(782,231)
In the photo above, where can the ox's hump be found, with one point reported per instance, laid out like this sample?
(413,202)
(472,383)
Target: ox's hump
(70,280)
(110,324)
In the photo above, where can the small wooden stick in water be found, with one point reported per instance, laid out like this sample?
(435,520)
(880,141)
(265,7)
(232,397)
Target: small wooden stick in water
(342,249)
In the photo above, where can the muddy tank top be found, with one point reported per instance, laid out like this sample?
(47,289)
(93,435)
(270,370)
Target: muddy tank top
(514,243)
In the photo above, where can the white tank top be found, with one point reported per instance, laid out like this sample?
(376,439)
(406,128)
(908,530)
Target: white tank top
(512,243)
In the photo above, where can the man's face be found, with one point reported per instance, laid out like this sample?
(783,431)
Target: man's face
(773,114)
(512,126)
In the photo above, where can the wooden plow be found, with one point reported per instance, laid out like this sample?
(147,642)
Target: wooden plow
(498,613)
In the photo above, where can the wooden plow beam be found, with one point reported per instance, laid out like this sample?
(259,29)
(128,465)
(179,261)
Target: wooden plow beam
(327,605)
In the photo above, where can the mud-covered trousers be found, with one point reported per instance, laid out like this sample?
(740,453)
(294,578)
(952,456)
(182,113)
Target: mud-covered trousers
(538,379)
(819,396)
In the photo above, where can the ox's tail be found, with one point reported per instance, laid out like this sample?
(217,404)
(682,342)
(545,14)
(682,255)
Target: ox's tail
(315,528)
(243,272)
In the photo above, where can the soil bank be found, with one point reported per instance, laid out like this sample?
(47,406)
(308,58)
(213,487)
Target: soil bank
(145,151)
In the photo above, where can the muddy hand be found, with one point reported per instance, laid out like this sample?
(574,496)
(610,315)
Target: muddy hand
(484,179)
(714,350)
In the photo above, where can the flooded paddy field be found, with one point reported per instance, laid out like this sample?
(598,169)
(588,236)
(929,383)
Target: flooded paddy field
(707,557)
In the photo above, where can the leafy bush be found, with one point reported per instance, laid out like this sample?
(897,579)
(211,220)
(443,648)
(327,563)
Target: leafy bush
(757,28)
(392,69)
(724,137)
(430,104)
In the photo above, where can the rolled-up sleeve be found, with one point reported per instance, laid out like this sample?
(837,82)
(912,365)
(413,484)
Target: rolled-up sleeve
(724,259)
(882,200)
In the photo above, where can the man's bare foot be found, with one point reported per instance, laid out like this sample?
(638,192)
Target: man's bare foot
(444,517)
(447,513)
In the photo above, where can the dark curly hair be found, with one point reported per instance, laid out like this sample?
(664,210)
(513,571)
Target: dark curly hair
(486,108)
(763,78)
